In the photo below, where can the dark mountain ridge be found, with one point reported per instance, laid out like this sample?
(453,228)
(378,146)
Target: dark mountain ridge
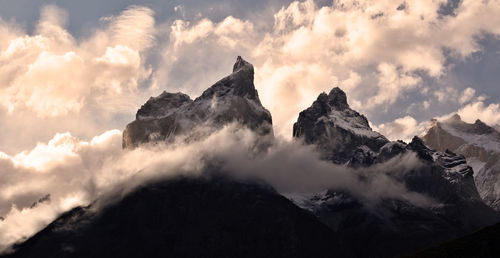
(187,217)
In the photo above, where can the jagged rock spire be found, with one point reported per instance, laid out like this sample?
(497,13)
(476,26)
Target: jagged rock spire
(239,83)
(337,130)
(420,148)
(338,98)
(242,64)
(233,98)
(454,119)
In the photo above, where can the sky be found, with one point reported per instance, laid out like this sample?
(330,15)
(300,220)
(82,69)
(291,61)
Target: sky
(74,73)
(86,67)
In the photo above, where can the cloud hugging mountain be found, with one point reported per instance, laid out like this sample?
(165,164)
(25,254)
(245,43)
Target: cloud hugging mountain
(210,173)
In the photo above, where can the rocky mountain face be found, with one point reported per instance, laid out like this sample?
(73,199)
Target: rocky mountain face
(393,227)
(169,115)
(338,131)
(216,216)
(206,216)
(479,143)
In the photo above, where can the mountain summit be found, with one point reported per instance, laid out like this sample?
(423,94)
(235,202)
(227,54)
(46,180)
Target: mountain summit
(232,99)
(335,128)
(393,227)
(479,143)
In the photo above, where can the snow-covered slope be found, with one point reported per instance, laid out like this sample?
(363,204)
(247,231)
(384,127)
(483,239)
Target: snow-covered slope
(336,129)
(479,143)
(232,99)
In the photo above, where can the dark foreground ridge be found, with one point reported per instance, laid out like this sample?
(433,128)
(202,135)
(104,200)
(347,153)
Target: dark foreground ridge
(483,243)
(187,217)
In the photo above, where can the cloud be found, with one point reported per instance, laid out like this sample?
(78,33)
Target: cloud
(63,168)
(447,94)
(390,51)
(76,172)
(199,53)
(403,128)
(134,28)
(51,79)
(55,75)
(489,114)
(467,95)
(426,104)
(452,95)
(390,85)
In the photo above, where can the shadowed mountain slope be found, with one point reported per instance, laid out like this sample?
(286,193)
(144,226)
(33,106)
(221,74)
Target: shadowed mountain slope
(187,217)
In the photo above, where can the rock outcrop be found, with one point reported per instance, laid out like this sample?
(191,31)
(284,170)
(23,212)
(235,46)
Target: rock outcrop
(392,227)
(232,99)
(336,129)
(479,143)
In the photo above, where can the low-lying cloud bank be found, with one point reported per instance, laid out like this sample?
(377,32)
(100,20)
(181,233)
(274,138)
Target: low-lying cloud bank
(76,172)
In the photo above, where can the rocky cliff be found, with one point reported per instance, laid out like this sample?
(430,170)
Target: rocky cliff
(336,129)
(479,143)
(232,99)
(392,227)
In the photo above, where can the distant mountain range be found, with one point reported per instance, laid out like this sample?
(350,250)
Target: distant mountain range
(216,215)
(479,144)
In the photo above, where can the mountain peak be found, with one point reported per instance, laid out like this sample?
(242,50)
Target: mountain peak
(241,64)
(420,148)
(454,119)
(455,123)
(479,122)
(337,129)
(338,98)
(481,128)
(162,105)
(231,99)
(417,142)
(239,83)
